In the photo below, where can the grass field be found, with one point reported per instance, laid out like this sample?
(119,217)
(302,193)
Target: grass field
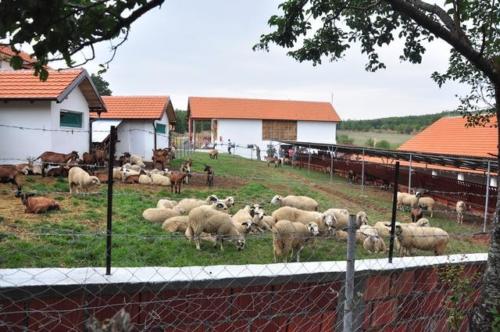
(360,137)
(75,236)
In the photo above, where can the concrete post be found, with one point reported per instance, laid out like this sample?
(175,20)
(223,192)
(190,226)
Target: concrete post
(487,197)
(409,175)
(349,275)
(363,172)
(331,165)
(309,161)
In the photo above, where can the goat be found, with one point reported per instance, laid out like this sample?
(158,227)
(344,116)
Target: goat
(49,157)
(210,175)
(8,174)
(273,160)
(100,156)
(416,213)
(61,171)
(176,179)
(186,168)
(37,204)
(160,158)
(88,158)
(124,159)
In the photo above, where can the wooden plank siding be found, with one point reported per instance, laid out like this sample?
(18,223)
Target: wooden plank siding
(279,130)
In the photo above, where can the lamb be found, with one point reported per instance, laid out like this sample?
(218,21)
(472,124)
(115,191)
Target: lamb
(145,179)
(8,174)
(423,238)
(160,180)
(365,231)
(461,208)
(290,237)
(324,222)
(244,219)
(78,180)
(208,219)
(176,224)
(229,200)
(102,176)
(166,203)
(427,203)
(159,215)
(213,154)
(37,204)
(374,244)
(132,179)
(299,202)
(340,218)
(137,160)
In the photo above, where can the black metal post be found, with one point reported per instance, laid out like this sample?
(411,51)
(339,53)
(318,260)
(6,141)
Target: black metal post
(90,135)
(154,128)
(394,205)
(109,229)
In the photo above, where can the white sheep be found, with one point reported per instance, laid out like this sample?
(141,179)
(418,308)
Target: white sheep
(126,172)
(208,219)
(299,202)
(79,180)
(405,199)
(340,218)
(365,231)
(243,220)
(290,237)
(166,203)
(176,224)
(427,203)
(137,160)
(374,244)
(423,238)
(160,180)
(117,173)
(159,215)
(384,227)
(324,222)
(268,221)
(145,179)
(187,204)
(460,208)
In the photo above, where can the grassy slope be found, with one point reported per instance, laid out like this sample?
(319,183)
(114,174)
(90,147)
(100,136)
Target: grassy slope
(74,236)
(360,137)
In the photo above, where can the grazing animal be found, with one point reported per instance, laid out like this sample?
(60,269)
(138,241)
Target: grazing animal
(160,158)
(423,238)
(186,168)
(273,160)
(88,158)
(55,158)
(176,180)
(213,154)
(461,208)
(78,180)
(290,237)
(61,171)
(299,202)
(210,175)
(37,204)
(416,213)
(124,159)
(100,156)
(8,174)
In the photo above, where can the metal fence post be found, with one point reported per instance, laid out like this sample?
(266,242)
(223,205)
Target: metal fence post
(487,197)
(363,172)
(309,160)
(109,229)
(393,218)
(349,275)
(331,165)
(409,176)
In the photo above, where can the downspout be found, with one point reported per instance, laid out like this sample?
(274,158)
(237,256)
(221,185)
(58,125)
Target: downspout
(90,133)
(154,128)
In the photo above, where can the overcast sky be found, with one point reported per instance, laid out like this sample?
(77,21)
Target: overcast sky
(204,48)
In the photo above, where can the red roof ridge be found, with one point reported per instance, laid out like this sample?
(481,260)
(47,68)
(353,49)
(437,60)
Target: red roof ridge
(263,99)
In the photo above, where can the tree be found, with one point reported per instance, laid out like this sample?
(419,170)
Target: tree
(58,29)
(181,121)
(471,28)
(101,85)
(383,144)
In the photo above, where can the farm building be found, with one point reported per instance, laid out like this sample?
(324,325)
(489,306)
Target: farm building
(38,116)
(6,53)
(143,123)
(258,122)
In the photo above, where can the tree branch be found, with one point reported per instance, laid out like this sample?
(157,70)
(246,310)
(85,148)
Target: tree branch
(438,11)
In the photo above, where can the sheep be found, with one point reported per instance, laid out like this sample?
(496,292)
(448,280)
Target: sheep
(423,238)
(229,200)
(37,204)
(324,222)
(188,204)
(160,180)
(145,179)
(460,208)
(102,176)
(405,199)
(126,172)
(137,160)
(340,218)
(8,174)
(299,202)
(78,180)
(365,231)
(166,203)
(427,203)
(159,215)
(176,224)
(132,179)
(209,219)
(117,173)
(374,244)
(384,227)
(213,154)
(244,219)
(268,221)
(290,237)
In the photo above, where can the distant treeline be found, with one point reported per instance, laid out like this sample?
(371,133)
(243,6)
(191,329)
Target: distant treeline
(402,124)
(181,123)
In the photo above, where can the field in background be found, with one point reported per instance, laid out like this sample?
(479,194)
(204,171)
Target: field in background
(75,236)
(360,137)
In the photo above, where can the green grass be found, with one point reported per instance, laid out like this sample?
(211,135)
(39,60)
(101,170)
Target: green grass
(360,137)
(75,236)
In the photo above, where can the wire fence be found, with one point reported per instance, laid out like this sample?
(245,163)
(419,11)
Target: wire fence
(52,275)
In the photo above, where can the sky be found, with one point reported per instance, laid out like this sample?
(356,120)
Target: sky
(204,48)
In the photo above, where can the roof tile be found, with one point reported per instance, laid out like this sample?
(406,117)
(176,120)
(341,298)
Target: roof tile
(134,107)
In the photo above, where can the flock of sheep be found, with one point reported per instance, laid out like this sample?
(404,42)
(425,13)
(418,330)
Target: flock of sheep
(295,224)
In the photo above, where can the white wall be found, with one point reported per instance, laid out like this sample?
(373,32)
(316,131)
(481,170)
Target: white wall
(4,65)
(162,139)
(71,139)
(21,144)
(316,132)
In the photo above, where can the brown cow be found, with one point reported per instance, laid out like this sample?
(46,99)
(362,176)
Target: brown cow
(49,157)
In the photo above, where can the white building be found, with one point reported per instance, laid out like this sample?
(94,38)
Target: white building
(38,116)
(143,123)
(259,122)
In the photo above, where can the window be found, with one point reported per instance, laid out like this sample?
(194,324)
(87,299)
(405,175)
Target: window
(279,130)
(161,128)
(71,119)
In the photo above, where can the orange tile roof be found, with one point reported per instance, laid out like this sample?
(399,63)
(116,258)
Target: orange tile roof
(135,107)
(22,84)
(238,108)
(450,136)
(7,51)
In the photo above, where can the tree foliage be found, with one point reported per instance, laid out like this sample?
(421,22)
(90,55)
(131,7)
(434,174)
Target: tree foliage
(58,29)
(101,85)
(181,121)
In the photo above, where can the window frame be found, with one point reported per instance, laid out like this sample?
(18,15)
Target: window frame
(64,111)
(160,125)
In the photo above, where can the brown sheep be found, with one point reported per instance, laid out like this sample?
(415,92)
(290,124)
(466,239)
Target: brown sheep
(8,174)
(37,204)
(49,157)
(213,154)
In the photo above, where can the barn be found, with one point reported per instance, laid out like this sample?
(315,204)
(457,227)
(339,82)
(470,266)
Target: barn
(38,116)
(247,122)
(143,123)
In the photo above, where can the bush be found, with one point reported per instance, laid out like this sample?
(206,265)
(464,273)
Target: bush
(370,142)
(383,144)
(344,139)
